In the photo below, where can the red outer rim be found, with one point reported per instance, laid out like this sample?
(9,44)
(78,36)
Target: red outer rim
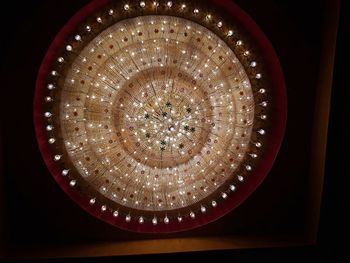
(247,188)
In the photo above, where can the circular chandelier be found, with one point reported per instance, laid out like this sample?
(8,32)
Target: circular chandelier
(160,116)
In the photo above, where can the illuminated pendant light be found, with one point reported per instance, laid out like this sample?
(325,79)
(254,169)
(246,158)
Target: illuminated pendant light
(160,116)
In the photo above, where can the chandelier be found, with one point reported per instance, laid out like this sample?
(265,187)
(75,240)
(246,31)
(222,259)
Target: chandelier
(160,116)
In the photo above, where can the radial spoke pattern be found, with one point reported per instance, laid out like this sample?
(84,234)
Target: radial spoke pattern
(156,113)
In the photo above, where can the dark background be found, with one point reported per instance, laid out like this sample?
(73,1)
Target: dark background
(37,211)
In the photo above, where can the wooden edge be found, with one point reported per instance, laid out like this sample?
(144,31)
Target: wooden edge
(156,246)
(321,117)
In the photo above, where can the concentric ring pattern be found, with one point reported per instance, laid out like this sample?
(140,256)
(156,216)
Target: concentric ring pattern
(154,118)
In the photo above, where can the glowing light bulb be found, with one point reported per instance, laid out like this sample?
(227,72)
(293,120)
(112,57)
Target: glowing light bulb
(166,220)
(262,131)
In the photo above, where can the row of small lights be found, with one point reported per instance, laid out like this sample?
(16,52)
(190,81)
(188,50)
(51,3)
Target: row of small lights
(141,219)
(166,219)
